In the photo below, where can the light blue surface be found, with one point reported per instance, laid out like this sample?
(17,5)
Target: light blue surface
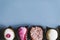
(40,12)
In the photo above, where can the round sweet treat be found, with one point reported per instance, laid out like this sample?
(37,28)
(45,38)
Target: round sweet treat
(52,34)
(22,31)
(9,34)
(36,33)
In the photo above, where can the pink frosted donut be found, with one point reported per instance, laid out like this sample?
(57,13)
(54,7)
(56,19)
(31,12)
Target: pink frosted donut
(22,31)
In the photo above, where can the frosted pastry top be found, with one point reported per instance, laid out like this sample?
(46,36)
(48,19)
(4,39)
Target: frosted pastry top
(9,34)
(52,34)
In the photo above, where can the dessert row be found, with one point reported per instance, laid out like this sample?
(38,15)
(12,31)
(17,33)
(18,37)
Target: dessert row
(30,33)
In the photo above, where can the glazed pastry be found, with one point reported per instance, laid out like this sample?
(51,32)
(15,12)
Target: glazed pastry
(9,34)
(36,33)
(22,31)
(52,34)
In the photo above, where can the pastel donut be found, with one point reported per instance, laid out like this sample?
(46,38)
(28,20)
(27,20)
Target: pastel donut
(9,34)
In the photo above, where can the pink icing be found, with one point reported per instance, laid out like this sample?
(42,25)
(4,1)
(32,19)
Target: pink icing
(22,31)
(8,35)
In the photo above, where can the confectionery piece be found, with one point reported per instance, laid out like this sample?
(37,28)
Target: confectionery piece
(22,31)
(9,34)
(52,34)
(36,33)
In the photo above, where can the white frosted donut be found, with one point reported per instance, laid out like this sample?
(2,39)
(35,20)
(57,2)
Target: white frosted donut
(52,34)
(9,34)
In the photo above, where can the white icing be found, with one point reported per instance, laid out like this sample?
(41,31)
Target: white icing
(11,32)
(53,34)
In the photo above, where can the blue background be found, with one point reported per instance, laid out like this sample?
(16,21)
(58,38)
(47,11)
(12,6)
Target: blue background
(37,12)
